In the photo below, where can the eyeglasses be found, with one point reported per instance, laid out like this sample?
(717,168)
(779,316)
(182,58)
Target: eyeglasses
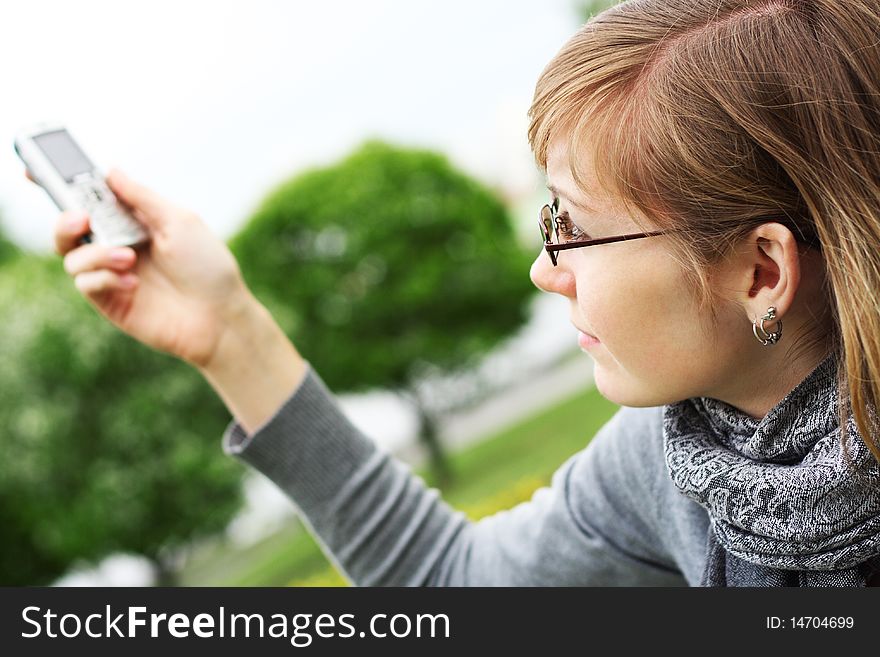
(550,223)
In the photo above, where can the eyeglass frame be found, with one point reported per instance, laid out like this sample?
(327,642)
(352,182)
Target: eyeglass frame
(552,248)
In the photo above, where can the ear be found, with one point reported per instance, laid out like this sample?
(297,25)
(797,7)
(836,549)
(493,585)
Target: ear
(767,271)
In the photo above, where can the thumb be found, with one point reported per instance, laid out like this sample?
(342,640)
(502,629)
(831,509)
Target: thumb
(152,207)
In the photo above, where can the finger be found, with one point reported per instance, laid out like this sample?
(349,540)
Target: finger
(101,281)
(69,229)
(30,176)
(90,257)
(152,207)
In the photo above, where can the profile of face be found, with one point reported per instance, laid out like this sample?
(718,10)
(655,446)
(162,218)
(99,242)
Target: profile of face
(653,346)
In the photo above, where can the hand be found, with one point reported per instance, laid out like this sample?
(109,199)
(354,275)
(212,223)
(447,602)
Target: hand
(178,294)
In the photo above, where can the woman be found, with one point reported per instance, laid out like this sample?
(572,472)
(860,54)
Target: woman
(719,158)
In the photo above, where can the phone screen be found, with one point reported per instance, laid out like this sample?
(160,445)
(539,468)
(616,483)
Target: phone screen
(64,154)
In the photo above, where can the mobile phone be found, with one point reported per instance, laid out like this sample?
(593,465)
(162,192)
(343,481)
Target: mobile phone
(73,182)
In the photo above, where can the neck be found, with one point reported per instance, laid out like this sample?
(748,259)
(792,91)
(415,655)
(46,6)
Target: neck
(762,388)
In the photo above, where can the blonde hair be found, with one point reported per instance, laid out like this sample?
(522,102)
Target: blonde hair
(715,116)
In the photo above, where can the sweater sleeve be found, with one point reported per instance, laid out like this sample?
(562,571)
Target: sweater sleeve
(381,526)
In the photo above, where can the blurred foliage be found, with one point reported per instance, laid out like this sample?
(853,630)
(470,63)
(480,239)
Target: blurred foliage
(386,267)
(107,445)
(385,261)
(8,250)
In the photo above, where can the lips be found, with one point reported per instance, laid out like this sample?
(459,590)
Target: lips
(589,335)
(585,340)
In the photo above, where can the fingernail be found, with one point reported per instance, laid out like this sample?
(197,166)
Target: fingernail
(128,281)
(120,255)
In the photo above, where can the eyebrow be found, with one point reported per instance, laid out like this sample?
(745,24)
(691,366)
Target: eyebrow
(557,192)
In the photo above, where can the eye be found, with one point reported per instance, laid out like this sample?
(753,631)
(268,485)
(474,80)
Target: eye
(568,230)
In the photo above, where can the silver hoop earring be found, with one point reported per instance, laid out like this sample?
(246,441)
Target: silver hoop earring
(769,338)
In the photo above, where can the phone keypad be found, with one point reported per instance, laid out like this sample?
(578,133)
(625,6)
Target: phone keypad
(94,194)
(109,221)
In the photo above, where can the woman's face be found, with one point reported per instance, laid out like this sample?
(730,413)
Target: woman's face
(653,348)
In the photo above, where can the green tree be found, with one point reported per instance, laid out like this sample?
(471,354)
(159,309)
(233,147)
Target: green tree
(107,445)
(385,266)
(8,250)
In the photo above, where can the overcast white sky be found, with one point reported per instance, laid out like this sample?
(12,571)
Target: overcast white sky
(212,103)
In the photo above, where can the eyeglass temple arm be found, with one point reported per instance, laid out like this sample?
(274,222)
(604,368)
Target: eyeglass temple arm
(550,246)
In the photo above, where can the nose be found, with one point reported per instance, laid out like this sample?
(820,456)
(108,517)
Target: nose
(552,279)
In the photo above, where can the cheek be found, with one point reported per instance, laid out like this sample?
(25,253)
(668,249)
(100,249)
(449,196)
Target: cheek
(618,300)
(642,315)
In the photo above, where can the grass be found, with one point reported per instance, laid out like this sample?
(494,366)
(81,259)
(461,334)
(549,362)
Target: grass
(491,475)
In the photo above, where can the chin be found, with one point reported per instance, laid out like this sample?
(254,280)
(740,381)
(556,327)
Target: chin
(612,388)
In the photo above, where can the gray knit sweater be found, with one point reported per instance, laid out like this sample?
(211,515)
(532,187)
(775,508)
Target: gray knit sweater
(611,516)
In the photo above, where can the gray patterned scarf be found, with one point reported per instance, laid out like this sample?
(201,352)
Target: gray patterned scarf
(784,508)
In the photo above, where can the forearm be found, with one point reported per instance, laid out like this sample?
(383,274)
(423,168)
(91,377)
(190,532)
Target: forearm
(378,522)
(254,367)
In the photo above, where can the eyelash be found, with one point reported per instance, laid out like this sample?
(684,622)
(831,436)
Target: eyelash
(567,228)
